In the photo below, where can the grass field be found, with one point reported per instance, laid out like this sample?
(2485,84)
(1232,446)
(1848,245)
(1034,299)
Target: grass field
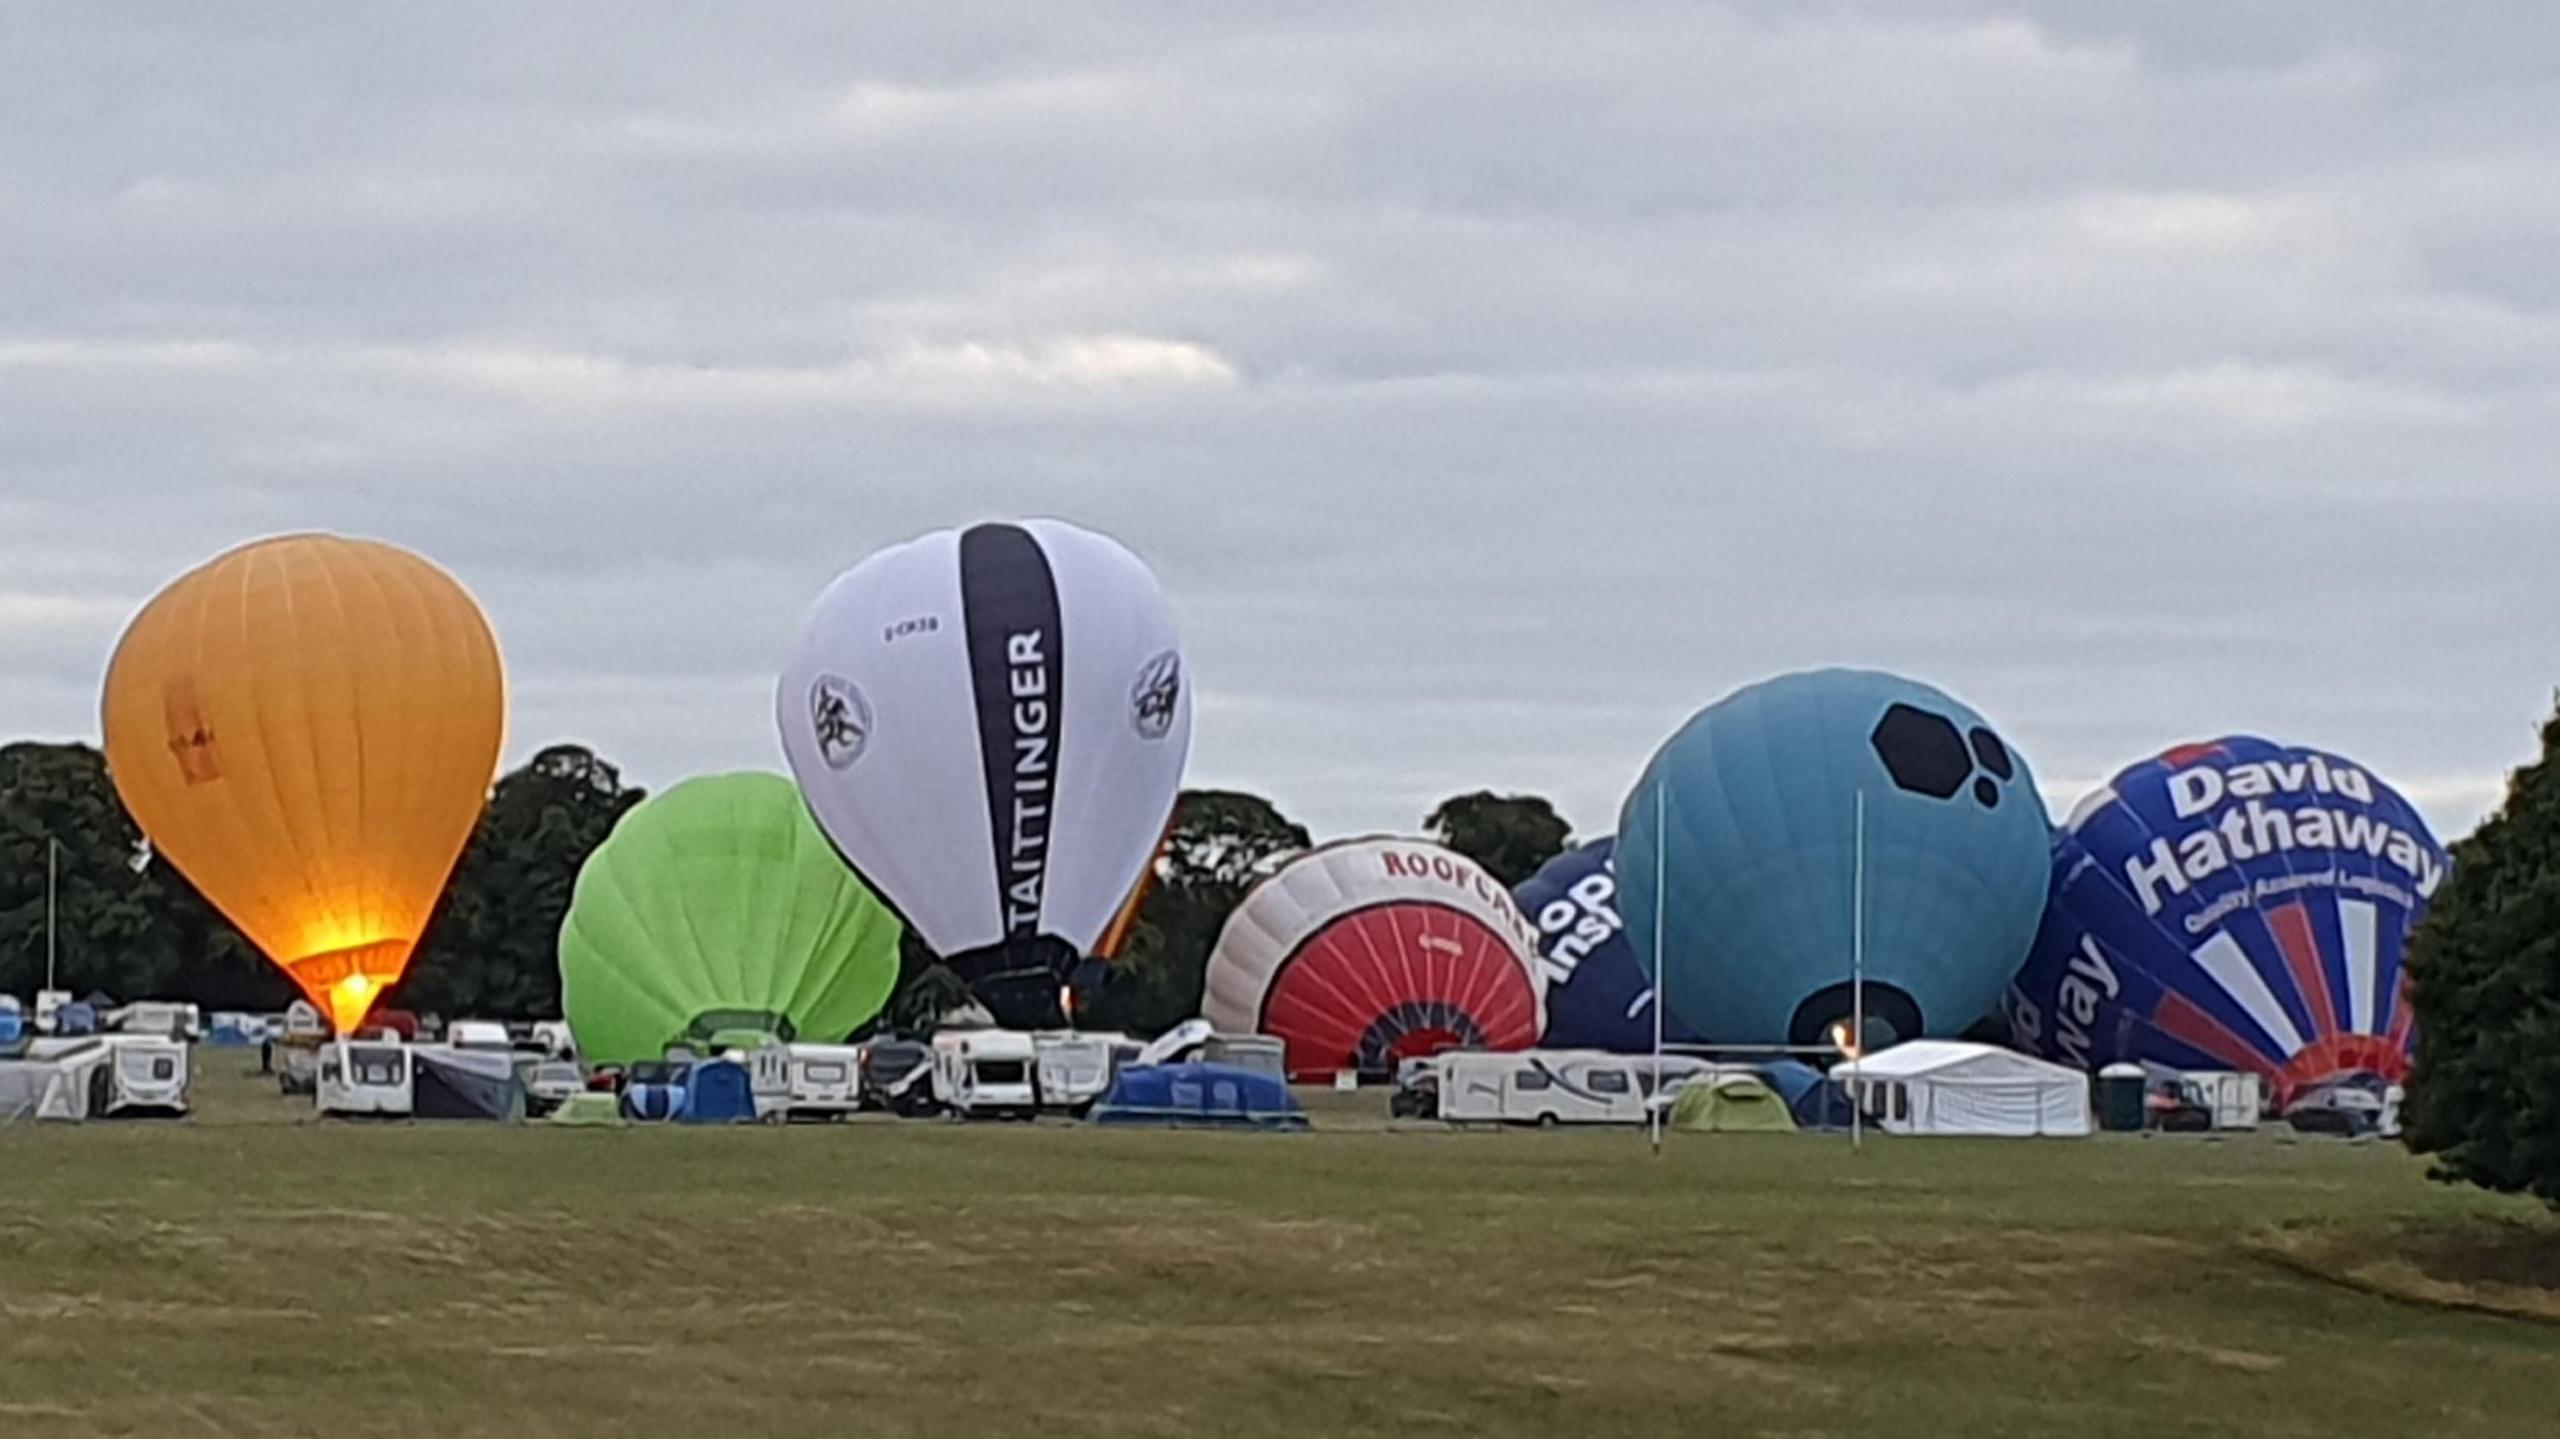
(248,1274)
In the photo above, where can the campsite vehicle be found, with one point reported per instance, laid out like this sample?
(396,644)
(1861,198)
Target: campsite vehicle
(553,1038)
(298,1071)
(897,1075)
(49,1003)
(986,1073)
(64,1079)
(1262,1053)
(1946,1086)
(158,1017)
(1543,1087)
(1417,1091)
(1176,1044)
(549,1083)
(2347,1110)
(150,1076)
(1071,1070)
(366,1077)
(826,1080)
(478,1034)
(397,1024)
(303,1024)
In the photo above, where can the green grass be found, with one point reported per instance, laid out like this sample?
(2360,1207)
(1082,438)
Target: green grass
(245,1274)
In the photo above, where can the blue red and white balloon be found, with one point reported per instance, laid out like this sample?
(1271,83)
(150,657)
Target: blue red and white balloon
(2236,904)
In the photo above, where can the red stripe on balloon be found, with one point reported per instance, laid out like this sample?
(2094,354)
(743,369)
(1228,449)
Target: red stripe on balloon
(2292,926)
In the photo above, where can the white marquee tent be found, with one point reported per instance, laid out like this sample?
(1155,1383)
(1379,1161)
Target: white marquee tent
(1940,1086)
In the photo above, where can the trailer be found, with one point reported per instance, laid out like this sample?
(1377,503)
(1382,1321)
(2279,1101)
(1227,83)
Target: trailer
(986,1073)
(366,1077)
(825,1080)
(151,1076)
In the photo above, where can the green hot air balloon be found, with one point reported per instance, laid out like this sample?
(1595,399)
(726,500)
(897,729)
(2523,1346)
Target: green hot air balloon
(718,906)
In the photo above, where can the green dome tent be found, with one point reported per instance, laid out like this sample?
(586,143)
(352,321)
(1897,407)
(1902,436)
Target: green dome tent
(717,906)
(1730,1104)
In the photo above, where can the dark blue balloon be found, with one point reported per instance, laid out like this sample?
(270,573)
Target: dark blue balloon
(1755,803)
(2236,904)
(1598,993)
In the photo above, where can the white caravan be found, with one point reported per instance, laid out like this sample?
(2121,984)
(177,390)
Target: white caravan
(1071,1070)
(2228,1096)
(151,1076)
(49,1003)
(825,1080)
(367,1076)
(157,1017)
(488,1034)
(1261,1053)
(1540,1087)
(979,1072)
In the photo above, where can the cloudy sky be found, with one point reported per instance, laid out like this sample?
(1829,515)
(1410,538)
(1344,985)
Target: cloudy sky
(1491,385)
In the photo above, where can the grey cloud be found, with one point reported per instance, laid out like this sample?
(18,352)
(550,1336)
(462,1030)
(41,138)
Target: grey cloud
(1491,384)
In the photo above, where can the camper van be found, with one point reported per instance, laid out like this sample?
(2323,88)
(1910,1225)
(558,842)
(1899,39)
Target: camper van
(366,1077)
(986,1072)
(825,1080)
(150,1076)
(1540,1087)
(1072,1070)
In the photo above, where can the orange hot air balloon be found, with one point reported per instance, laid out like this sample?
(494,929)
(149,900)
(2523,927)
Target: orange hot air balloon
(307,727)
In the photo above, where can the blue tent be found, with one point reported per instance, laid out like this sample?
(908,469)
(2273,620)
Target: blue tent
(1816,1102)
(1199,1096)
(718,1093)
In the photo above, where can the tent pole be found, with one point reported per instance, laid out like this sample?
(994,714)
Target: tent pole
(52,864)
(1660,844)
(1858,976)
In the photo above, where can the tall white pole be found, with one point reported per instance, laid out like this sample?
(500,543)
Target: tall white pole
(1858,974)
(1661,847)
(52,864)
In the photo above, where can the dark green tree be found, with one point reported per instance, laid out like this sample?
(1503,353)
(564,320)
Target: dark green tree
(493,949)
(1510,835)
(2484,1097)
(1221,842)
(108,930)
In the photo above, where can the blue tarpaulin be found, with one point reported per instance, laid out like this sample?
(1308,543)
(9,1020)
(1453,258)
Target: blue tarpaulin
(1211,1096)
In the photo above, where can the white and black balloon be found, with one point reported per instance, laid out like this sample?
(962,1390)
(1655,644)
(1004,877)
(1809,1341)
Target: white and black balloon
(990,725)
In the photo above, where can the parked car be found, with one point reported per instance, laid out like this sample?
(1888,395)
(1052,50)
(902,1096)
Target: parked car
(549,1083)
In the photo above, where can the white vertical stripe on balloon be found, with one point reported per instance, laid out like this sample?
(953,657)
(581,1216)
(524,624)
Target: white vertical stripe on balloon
(2222,958)
(2361,925)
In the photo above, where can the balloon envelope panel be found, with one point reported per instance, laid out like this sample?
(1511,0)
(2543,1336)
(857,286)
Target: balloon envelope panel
(990,724)
(1364,952)
(1599,995)
(2234,904)
(720,897)
(307,727)
(1755,806)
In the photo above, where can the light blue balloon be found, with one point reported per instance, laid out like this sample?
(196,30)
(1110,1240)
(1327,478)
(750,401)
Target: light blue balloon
(1751,811)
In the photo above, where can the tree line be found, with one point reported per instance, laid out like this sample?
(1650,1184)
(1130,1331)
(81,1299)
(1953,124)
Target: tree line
(128,923)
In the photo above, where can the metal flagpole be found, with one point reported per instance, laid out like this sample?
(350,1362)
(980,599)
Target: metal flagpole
(1858,976)
(1661,846)
(52,857)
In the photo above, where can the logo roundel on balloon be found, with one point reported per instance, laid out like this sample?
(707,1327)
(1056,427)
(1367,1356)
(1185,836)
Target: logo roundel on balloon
(990,726)
(307,726)
(2234,904)
(1365,952)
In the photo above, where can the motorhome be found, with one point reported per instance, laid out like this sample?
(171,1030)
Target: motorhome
(361,1077)
(150,1076)
(985,1072)
(1542,1087)
(825,1080)
(1071,1070)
